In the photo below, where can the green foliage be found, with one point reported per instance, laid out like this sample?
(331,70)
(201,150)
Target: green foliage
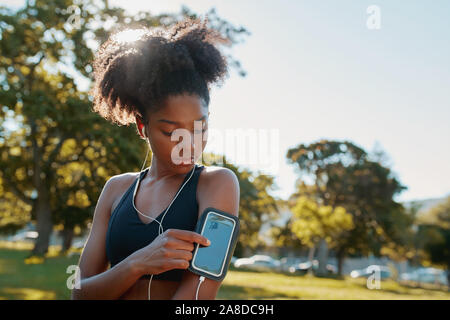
(283,237)
(434,235)
(313,222)
(439,215)
(344,175)
(13,214)
(60,156)
(439,248)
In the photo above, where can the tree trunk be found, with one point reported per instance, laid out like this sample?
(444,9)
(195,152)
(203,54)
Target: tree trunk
(238,251)
(44,224)
(322,256)
(310,259)
(448,276)
(44,228)
(340,261)
(67,235)
(247,252)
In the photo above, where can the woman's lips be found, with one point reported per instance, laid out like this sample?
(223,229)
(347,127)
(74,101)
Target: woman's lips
(187,162)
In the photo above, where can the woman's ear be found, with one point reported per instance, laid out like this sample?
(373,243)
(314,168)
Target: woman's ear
(141,127)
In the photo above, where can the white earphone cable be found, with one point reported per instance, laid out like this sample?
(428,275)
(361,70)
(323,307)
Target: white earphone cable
(160,223)
(202,278)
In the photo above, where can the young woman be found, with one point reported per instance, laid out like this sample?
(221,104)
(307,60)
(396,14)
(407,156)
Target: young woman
(160,81)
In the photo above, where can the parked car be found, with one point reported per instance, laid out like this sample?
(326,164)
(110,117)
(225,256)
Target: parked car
(258,262)
(384,272)
(287,262)
(25,235)
(426,275)
(304,267)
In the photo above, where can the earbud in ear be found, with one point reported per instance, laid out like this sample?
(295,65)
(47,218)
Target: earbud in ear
(143,132)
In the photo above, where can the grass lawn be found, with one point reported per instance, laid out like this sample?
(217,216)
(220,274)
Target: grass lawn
(47,280)
(21,280)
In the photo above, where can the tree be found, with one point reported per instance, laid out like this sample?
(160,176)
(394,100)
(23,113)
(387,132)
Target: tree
(284,238)
(344,175)
(283,235)
(61,153)
(14,214)
(439,214)
(434,231)
(319,225)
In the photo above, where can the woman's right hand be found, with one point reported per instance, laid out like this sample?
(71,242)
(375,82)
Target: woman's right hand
(170,250)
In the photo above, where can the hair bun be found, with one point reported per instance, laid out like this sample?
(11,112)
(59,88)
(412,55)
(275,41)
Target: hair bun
(133,78)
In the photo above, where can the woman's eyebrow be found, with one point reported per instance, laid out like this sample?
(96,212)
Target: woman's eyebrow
(175,122)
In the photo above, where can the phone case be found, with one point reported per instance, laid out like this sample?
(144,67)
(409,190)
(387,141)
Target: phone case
(234,239)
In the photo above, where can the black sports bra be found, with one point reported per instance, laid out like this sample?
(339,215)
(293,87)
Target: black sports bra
(127,233)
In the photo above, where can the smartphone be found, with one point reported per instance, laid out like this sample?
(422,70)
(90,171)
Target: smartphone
(222,229)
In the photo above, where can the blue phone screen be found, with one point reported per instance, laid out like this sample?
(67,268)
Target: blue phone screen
(218,230)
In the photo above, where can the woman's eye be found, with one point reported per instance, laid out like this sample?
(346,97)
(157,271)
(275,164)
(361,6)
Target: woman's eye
(170,133)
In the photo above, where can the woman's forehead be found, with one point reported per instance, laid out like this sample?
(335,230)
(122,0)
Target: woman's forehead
(181,109)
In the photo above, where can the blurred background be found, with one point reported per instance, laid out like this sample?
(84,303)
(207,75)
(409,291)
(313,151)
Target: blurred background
(342,106)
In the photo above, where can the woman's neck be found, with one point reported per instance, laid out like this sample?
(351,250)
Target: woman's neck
(159,171)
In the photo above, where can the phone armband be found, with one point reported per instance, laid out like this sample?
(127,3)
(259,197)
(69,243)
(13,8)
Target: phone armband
(230,247)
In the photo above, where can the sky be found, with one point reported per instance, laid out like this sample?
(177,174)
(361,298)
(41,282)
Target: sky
(316,71)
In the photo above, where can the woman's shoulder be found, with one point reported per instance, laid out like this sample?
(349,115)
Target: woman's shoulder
(214,170)
(121,179)
(119,184)
(216,179)
(214,174)
(218,187)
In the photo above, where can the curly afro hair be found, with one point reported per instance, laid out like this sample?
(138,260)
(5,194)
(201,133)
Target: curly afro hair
(133,78)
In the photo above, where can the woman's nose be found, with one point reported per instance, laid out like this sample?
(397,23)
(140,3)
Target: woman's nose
(196,143)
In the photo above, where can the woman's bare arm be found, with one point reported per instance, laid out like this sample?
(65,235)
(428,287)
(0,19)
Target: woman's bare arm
(96,281)
(220,190)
